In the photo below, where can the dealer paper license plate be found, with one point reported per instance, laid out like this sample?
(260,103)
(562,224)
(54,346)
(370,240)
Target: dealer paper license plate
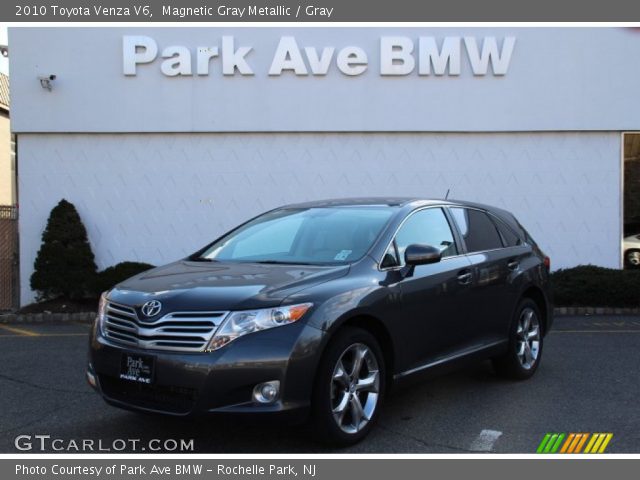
(137,368)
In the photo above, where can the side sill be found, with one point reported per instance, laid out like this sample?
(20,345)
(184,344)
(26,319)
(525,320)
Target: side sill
(460,355)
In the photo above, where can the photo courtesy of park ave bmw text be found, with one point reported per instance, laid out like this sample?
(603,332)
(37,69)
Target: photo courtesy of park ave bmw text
(354,238)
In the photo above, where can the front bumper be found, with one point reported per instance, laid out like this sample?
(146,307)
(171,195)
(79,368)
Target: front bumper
(215,382)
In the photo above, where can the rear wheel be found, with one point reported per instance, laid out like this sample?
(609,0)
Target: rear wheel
(632,258)
(349,387)
(525,343)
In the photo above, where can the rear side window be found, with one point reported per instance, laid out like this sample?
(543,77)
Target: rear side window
(477,229)
(509,238)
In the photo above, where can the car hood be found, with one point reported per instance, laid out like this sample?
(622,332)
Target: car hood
(188,285)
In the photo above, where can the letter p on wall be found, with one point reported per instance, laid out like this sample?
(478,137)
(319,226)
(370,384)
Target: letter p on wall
(137,49)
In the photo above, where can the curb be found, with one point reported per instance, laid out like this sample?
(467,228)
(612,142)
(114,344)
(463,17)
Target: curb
(596,311)
(80,317)
(89,317)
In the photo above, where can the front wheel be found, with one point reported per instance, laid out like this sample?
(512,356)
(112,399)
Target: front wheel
(525,343)
(349,387)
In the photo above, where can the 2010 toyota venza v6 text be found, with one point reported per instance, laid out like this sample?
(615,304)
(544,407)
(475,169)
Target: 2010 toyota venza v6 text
(321,307)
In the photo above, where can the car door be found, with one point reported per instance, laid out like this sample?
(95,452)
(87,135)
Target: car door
(432,306)
(493,268)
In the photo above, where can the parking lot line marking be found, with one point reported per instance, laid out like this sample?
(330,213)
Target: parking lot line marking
(43,335)
(485,441)
(595,331)
(19,331)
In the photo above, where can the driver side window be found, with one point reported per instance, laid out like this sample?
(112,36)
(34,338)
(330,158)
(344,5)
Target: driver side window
(424,227)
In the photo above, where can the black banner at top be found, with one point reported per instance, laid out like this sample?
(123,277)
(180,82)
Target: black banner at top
(319,11)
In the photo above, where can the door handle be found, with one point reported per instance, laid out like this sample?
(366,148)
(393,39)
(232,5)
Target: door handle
(465,277)
(513,265)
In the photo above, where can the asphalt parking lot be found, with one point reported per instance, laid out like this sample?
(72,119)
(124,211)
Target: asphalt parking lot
(588,382)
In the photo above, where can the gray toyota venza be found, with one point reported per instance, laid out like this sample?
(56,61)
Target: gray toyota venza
(316,310)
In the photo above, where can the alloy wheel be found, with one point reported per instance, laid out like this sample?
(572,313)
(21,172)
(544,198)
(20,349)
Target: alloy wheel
(634,258)
(355,388)
(528,338)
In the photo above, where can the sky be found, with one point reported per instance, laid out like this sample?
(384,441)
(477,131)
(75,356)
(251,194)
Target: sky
(4,62)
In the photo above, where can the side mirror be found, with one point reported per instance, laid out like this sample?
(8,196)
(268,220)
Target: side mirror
(421,255)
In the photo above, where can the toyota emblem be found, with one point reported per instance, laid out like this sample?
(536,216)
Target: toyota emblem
(151,308)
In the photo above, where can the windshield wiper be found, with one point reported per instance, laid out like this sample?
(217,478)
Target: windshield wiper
(201,259)
(282,262)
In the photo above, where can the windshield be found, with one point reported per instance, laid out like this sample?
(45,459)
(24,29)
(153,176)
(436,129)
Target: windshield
(332,235)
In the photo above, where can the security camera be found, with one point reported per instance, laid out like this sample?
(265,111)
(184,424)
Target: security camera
(4,50)
(45,81)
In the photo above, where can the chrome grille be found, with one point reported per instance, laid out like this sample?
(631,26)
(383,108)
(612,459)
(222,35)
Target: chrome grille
(177,331)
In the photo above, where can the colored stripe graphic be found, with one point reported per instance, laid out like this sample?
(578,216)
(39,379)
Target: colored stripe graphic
(604,445)
(556,445)
(543,443)
(594,437)
(581,443)
(574,443)
(550,443)
(568,442)
(598,443)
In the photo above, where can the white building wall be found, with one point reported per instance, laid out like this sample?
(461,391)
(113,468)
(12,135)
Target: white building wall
(158,197)
(558,79)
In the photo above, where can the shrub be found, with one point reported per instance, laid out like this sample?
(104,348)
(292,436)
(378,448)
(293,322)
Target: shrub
(64,266)
(590,286)
(111,276)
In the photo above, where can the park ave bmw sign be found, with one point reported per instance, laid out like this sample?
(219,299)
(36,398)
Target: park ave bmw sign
(398,56)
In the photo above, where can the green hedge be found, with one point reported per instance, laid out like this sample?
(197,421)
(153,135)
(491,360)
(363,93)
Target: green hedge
(111,276)
(590,286)
(64,266)
(65,269)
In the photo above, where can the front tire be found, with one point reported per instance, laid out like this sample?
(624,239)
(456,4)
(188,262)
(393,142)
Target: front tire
(349,388)
(525,343)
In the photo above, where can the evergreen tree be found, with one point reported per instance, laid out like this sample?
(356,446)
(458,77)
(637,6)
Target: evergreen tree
(65,265)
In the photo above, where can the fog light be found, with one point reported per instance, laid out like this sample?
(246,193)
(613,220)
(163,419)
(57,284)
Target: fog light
(91,378)
(266,392)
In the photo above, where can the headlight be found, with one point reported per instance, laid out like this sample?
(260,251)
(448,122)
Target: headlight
(238,324)
(102,312)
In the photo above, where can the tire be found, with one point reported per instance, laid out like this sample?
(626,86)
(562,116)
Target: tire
(342,412)
(632,258)
(525,343)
